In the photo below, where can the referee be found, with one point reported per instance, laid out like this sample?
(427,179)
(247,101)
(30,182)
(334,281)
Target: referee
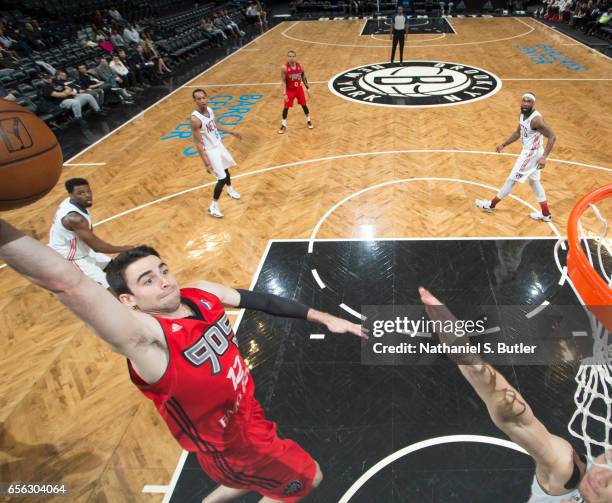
(399,26)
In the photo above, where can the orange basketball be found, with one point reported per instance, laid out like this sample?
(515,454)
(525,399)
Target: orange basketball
(30,157)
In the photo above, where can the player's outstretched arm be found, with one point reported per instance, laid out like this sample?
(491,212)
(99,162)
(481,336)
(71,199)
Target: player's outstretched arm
(113,322)
(511,139)
(278,306)
(79,225)
(511,414)
(227,131)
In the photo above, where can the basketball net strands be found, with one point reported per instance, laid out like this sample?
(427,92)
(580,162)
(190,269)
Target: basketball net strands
(586,273)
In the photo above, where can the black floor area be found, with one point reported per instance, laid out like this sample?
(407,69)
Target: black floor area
(74,138)
(416,26)
(350,416)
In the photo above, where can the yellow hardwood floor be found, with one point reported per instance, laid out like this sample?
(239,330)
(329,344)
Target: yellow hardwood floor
(68,412)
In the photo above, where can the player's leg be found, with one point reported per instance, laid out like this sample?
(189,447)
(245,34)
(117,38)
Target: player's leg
(283,127)
(214,155)
(401,47)
(228,161)
(304,104)
(316,481)
(538,190)
(92,270)
(224,494)
(394,46)
(489,205)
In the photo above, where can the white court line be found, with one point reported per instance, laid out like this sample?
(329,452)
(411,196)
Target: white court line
(255,84)
(537,310)
(317,278)
(447,19)
(563,277)
(572,80)
(155,489)
(232,312)
(430,442)
(86,164)
(328,158)
(580,334)
(319,337)
(316,228)
(572,39)
(175,476)
(140,114)
(374,36)
(365,46)
(404,238)
(350,310)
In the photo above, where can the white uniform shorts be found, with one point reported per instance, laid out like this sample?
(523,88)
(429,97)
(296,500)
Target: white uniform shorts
(93,265)
(526,166)
(220,160)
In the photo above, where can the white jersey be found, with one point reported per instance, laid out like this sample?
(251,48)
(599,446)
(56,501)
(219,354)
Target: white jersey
(538,495)
(66,242)
(210,135)
(530,138)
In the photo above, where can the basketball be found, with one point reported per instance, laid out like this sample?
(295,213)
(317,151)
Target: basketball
(30,157)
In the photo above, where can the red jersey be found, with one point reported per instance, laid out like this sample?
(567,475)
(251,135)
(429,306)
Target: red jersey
(206,393)
(293,76)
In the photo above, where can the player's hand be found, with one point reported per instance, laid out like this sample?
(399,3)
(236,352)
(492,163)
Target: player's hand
(285,97)
(500,147)
(541,162)
(340,326)
(427,298)
(208,167)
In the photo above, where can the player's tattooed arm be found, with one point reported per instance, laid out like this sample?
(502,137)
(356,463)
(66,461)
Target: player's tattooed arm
(538,124)
(199,142)
(513,137)
(510,413)
(80,226)
(304,79)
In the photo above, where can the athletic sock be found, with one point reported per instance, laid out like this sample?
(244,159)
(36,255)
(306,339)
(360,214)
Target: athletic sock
(284,123)
(494,201)
(545,210)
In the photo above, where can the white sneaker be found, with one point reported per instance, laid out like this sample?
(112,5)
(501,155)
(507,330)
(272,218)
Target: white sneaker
(232,193)
(536,215)
(484,204)
(215,212)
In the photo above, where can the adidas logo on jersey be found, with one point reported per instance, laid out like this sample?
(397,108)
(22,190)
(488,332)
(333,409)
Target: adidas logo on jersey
(176,327)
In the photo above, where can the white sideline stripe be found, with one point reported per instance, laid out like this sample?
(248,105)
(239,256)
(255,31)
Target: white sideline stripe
(430,442)
(155,489)
(350,310)
(258,84)
(175,476)
(580,334)
(563,277)
(318,278)
(404,238)
(86,164)
(366,46)
(572,39)
(233,313)
(139,114)
(538,309)
(317,336)
(572,80)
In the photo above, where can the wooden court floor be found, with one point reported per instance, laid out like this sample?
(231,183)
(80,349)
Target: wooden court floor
(68,412)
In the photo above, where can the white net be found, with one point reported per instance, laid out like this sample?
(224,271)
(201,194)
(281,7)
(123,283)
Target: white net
(592,420)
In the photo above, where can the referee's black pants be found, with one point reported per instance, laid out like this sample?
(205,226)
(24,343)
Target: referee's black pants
(398,36)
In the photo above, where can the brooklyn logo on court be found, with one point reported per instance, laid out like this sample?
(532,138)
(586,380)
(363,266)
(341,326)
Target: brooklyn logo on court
(415,84)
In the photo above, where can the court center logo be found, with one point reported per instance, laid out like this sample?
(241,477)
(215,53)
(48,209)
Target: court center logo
(415,84)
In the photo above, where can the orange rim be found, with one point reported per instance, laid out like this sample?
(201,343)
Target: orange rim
(592,288)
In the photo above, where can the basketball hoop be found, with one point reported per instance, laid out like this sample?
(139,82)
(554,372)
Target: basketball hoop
(591,422)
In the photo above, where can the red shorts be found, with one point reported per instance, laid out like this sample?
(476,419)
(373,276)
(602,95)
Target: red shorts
(262,462)
(292,94)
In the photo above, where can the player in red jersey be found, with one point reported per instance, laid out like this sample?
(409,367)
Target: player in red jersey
(292,78)
(183,355)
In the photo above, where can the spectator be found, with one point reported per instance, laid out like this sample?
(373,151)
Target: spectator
(262,14)
(443,4)
(229,22)
(251,13)
(12,46)
(117,39)
(487,7)
(34,38)
(58,93)
(151,52)
(212,33)
(98,20)
(105,42)
(113,82)
(114,13)
(131,35)
(220,25)
(138,74)
(7,95)
(143,64)
(87,84)
(123,72)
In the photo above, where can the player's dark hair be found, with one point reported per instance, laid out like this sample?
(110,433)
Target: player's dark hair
(74,182)
(291,51)
(115,270)
(198,91)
